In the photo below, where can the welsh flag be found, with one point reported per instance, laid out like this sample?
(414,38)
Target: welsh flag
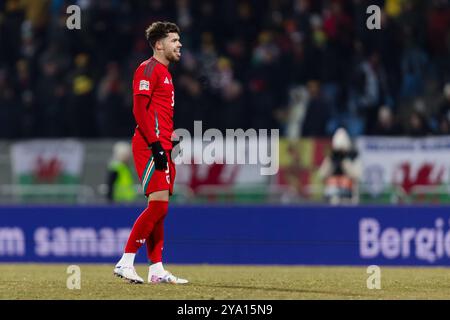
(47,169)
(300,161)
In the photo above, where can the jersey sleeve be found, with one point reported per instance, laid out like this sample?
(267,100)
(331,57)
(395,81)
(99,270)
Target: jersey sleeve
(145,80)
(144,83)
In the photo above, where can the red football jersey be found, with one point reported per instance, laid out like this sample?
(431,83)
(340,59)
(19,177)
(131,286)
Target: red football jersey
(153,79)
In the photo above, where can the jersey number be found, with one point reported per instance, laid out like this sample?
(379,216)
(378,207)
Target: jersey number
(173,99)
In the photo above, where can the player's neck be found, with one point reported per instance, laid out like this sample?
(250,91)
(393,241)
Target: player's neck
(161,59)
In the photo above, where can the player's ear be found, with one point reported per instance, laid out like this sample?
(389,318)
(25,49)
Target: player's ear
(159,45)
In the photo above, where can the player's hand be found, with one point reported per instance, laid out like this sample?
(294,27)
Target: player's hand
(159,155)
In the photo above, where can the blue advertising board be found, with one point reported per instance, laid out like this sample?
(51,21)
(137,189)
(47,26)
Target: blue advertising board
(301,235)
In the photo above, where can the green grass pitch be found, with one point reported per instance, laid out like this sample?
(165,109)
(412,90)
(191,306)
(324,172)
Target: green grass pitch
(48,281)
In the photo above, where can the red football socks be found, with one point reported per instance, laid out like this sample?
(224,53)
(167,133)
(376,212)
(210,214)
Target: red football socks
(155,242)
(145,226)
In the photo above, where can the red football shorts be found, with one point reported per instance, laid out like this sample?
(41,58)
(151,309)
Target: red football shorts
(151,179)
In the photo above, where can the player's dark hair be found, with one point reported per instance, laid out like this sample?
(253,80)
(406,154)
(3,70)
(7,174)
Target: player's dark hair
(159,30)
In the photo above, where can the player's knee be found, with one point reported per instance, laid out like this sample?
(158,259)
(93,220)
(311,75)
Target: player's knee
(158,209)
(159,196)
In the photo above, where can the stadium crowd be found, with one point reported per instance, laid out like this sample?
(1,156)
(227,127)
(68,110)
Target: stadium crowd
(242,62)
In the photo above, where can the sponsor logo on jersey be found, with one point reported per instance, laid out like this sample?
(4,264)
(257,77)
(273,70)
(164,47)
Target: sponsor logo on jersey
(144,85)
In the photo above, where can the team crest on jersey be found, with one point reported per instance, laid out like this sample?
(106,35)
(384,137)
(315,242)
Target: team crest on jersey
(144,85)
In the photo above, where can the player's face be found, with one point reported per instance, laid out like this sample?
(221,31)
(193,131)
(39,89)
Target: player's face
(172,47)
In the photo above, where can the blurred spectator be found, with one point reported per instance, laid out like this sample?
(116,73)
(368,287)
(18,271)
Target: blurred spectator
(111,112)
(9,109)
(120,179)
(27,106)
(443,126)
(386,124)
(265,82)
(317,112)
(80,105)
(438,29)
(413,66)
(341,170)
(370,88)
(417,125)
(51,100)
(444,105)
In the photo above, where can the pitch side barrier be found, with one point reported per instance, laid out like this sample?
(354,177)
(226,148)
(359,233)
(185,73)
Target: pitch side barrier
(292,235)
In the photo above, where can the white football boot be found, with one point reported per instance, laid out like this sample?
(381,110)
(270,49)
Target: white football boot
(165,277)
(128,273)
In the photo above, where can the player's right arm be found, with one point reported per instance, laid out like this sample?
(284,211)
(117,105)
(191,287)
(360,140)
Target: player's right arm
(144,82)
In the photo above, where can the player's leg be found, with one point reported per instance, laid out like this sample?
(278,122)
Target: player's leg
(142,227)
(155,242)
(156,272)
(145,222)
(141,230)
